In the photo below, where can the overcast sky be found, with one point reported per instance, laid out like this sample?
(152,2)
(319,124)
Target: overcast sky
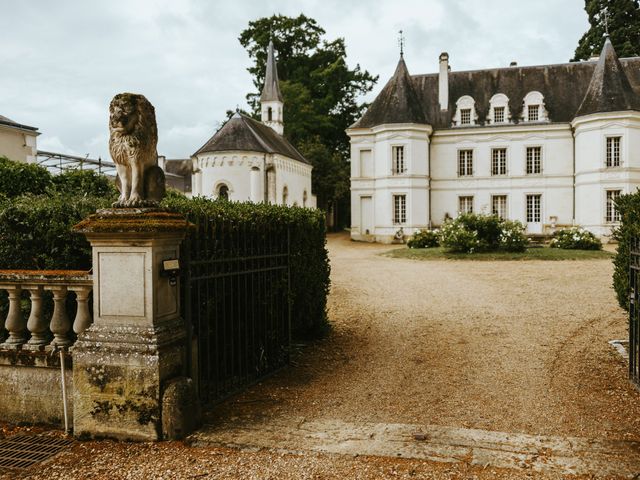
(62,61)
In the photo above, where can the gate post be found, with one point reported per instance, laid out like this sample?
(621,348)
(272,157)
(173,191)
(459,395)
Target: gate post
(136,345)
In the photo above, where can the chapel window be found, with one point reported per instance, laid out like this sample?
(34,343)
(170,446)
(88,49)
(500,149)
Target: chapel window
(270,114)
(498,161)
(613,152)
(397,158)
(285,195)
(465,204)
(612,214)
(304,198)
(399,209)
(223,192)
(465,163)
(534,160)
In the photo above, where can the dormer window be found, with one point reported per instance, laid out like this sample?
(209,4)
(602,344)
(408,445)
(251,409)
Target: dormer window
(498,109)
(465,112)
(534,110)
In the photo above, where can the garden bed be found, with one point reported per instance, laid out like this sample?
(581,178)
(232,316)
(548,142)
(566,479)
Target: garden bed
(545,253)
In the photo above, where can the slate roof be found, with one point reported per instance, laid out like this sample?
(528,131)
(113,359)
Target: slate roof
(563,86)
(244,133)
(271,89)
(11,123)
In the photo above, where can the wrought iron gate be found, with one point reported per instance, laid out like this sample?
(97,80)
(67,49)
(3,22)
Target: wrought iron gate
(634,311)
(236,297)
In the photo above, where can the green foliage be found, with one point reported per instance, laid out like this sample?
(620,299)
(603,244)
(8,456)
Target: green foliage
(84,183)
(309,261)
(624,28)
(35,231)
(320,93)
(424,239)
(471,232)
(575,239)
(17,178)
(629,208)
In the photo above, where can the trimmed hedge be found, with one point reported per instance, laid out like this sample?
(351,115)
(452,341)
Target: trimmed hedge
(629,208)
(19,178)
(309,260)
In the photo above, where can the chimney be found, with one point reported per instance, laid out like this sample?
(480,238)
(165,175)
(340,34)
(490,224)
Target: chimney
(443,81)
(513,64)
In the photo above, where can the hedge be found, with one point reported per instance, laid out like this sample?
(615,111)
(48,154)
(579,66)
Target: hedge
(309,260)
(629,208)
(18,178)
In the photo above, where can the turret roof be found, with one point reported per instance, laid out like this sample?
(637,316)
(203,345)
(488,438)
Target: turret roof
(271,89)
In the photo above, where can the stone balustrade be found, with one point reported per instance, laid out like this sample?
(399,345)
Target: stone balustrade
(38,332)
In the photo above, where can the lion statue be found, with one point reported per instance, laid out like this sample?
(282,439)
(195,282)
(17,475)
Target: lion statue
(132,143)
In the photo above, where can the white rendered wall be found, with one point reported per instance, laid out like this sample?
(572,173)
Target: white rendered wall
(382,185)
(17,144)
(593,177)
(555,183)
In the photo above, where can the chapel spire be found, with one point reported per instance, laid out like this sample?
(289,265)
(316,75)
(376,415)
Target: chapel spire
(609,89)
(271,102)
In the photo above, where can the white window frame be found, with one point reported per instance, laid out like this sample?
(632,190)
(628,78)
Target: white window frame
(394,161)
(526,160)
(526,207)
(505,213)
(498,172)
(611,213)
(610,156)
(468,207)
(467,171)
(499,100)
(531,99)
(399,213)
(465,103)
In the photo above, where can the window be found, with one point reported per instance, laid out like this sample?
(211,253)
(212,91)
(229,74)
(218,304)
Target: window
(613,152)
(465,116)
(223,192)
(534,208)
(304,198)
(499,161)
(397,160)
(498,115)
(498,109)
(285,195)
(533,113)
(612,214)
(465,163)
(533,109)
(534,162)
(499,205)
(269,114)
(399,209)
(465,204)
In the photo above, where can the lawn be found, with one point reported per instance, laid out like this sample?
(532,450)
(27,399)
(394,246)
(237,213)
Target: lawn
(544,253)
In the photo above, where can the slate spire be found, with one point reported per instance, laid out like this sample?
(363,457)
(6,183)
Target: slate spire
(397,102)
(271,89)
(609,89)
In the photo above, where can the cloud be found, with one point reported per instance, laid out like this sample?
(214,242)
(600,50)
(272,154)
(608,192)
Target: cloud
(63,61)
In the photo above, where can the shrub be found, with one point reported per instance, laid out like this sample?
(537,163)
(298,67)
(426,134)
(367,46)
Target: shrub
(512,237)
(576,239)
(472,232)
(424,239)
(629,208)
(18,178)
(84,183)
(309,259)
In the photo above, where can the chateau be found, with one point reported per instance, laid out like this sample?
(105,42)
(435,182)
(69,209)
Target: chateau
(247,160)
(551,146)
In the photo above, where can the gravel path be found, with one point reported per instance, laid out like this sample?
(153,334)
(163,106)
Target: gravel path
(502,346)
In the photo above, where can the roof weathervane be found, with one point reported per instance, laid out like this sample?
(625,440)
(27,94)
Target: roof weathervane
(401,43)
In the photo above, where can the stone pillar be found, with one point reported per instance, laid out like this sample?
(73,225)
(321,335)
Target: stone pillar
(137,341)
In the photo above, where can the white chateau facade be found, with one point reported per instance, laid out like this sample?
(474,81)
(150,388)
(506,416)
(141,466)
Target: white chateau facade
(551,146)
(248,160)
(17,141)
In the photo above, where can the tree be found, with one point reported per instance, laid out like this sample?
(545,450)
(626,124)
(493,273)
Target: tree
(623,19)
(320,94)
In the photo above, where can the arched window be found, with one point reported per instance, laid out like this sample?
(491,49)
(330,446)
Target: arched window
(269,114)
(533,108)
(465,112)
(285,195)
(499,109)
(223,192)
(304,198)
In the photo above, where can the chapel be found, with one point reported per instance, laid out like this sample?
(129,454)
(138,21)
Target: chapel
(250,160)
(551,146)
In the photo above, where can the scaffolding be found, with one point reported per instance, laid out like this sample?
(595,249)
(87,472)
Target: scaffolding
(57,163)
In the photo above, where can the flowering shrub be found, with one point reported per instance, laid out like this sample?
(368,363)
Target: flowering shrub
(576,239)
(512,237)
(424,239)
(482,233)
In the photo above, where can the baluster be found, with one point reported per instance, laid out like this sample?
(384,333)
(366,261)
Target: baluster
(83,315)
(60,323)
(15,323)
(36,324)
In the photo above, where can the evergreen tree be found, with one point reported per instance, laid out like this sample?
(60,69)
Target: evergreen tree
(623,19)
(320,94)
